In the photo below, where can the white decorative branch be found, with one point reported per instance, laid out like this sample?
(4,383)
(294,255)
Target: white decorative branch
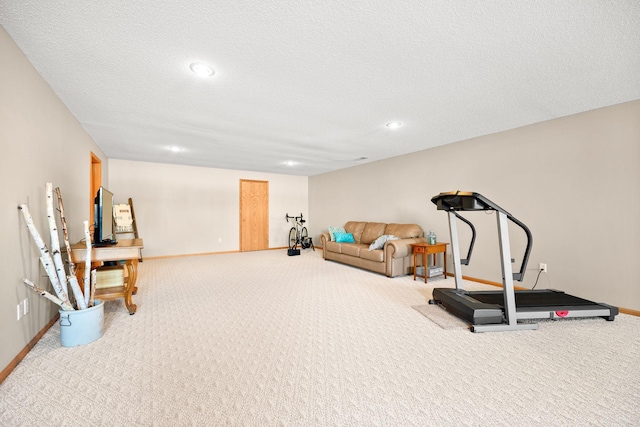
(51,272)
(64,305)
(65,232)
(77,292)
(71,278)
(87,264)
(93,288)
(55,240)
(45,255)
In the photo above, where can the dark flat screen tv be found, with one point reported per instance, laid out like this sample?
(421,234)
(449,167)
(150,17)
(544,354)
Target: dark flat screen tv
(103,231)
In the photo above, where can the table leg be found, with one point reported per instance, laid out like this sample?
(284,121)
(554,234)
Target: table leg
(134,266)
(425,265)
(415,266)
(131,285)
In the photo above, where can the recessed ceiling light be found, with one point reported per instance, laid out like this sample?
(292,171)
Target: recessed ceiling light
(175,149)
(201,69)
(394,125)
(290,163)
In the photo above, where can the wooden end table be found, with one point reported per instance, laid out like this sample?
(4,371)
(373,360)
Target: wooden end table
(128,250)
(426,249)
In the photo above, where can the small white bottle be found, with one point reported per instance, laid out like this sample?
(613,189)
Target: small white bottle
(431,237)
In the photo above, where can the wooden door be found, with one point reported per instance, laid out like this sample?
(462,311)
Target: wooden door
(254,215)
(95,181)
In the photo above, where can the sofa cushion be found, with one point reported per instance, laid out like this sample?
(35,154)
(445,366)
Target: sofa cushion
(404,231)
(333,247)
(377,255)
(353,249)
(372,231)
(355,228)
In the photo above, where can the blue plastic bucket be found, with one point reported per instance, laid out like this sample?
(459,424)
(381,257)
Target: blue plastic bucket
(81,327)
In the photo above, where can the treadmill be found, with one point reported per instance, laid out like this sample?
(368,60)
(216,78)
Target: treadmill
(501,310)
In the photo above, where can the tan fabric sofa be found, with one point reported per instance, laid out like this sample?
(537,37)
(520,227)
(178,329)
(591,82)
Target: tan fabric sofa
(394,259)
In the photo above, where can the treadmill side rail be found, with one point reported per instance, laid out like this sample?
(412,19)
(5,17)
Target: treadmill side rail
(504,327)
(596,310)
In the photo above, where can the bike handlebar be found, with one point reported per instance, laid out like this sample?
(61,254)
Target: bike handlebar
(287,217)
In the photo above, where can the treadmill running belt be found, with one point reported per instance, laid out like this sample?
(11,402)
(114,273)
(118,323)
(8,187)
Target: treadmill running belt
(532,298)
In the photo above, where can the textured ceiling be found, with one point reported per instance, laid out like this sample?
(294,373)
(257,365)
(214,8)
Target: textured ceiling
(316,82)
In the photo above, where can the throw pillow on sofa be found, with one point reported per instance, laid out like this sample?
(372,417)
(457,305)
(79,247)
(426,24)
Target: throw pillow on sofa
(344,237)
(333,230)
(380,241)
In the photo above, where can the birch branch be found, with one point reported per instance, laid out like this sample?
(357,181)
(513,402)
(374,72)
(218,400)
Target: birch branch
(51,272)
(64,305)
(93,288)
(71,278)
(45,255)
(77,292)
(55,240)
(87,263)
(65,232)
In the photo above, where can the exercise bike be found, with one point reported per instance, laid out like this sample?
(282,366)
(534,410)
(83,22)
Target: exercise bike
(298,235)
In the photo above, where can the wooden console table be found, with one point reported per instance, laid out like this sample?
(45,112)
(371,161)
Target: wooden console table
(127,250)
(426,249)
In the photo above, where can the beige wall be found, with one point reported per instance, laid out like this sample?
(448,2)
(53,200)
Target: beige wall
(187,210)
(41,142)
(573,181)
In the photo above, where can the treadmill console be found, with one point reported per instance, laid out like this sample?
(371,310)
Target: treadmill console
(464,201)
(453,201)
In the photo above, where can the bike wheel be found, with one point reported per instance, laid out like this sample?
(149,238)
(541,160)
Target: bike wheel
(304,238)
(292,238)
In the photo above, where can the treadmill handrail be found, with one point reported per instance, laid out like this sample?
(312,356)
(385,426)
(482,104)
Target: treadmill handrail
(458,201)
(467,260)
(519,276)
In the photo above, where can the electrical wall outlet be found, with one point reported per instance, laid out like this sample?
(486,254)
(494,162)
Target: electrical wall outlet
(543,267)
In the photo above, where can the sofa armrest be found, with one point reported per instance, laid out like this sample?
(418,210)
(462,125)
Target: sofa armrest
(325,237)
(401,248)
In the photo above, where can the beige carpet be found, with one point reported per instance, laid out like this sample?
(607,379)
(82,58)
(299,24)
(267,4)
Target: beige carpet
(263,339)
(440,316)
